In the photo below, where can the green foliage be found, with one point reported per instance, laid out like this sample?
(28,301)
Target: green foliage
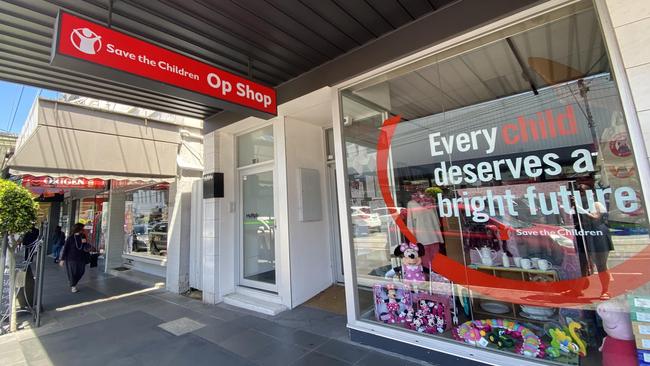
(17,208)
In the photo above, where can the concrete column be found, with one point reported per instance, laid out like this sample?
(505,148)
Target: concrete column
(211,291)
(178,239)
(115,234)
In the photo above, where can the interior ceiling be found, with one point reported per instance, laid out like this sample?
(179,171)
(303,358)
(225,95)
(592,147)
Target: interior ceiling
(279,39)
(567,49)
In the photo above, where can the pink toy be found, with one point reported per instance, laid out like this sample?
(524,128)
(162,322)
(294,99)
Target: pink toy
(392,303)
(411,271)
(618,347)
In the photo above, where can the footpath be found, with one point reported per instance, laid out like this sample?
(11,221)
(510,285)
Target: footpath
(117,322)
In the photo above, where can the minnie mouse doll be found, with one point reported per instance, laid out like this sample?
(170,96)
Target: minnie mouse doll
(411,270)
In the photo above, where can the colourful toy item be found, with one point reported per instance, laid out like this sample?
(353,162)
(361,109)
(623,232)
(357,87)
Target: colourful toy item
(574,327)
(392,302)
(429,314)
(523,339)
(567,341)
(500,338)
(411,271)
(561,343)
(619,348)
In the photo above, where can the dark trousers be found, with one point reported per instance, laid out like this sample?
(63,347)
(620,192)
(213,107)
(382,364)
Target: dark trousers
(75,271)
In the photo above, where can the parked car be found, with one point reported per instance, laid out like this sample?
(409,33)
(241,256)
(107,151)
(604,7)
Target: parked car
(363,217)
(158,238)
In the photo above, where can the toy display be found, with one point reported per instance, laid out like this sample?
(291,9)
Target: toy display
(430,314)
(411,271)
(503,333)
(618,348)
(391,302)
(421,301)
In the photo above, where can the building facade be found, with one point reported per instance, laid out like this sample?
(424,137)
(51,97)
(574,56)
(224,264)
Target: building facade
(514,152)
(129,175)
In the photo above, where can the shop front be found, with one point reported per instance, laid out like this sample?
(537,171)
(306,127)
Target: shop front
(127,202)
(507,160)
(487,202)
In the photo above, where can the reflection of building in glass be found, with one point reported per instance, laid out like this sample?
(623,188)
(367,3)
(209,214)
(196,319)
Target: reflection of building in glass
(146,221)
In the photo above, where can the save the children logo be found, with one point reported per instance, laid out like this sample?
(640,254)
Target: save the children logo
(85,40)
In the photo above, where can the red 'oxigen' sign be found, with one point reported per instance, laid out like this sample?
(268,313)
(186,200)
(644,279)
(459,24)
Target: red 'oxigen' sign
(86,46)
(62,182)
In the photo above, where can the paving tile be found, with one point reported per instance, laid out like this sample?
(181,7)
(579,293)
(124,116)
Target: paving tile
(333,327)
(292,323)
(266,326)
(274,355)
(19,363)
(187,350)
(11,355)
(304,313)
(227,312)
(63,348)
(343,351)
(181,326)
(124,361)
(217,333)
(248,342)
(168,311)
(374,358)
(317,359)
(305,339)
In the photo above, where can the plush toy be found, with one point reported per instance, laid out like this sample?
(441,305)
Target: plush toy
(478,332)
(618,347)
(411,271)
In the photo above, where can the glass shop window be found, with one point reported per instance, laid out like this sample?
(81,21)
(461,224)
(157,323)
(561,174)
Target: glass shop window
(146,220)
(495,201)
(255,147)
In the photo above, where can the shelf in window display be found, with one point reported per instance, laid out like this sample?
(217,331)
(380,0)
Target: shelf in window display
(550,272)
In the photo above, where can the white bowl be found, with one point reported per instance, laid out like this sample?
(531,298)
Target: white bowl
(495,307)
(538,310)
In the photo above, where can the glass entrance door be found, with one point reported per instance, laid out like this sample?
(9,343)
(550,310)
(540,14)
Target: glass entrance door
(257,252)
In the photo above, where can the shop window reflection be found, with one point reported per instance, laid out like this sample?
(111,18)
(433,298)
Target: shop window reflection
(146,221)
(500,214)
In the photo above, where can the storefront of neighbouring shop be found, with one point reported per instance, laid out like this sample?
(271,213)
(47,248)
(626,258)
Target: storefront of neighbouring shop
(119,174)
(488,195)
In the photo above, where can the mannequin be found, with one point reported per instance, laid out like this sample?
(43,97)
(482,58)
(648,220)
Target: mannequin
(422,220)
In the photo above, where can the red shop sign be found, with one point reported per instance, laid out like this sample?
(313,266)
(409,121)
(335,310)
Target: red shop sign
(63,182)
(86,46)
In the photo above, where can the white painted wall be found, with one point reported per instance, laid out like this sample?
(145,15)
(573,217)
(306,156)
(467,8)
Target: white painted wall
(309,242)
(227,215)
(115,233)
(210,270)
(196,239)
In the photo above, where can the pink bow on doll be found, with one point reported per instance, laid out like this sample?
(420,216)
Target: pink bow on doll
(404,246)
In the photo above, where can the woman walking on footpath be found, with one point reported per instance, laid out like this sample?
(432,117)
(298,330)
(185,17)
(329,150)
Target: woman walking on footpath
(74,255)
